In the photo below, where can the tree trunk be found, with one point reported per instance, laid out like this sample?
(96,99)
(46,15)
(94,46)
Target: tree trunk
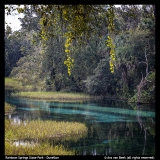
(143,81)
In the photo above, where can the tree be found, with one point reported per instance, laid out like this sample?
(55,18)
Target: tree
(30,21)
(144,79)
(76,22)
(102,82)
(12,49)
(131,60)
(28,67)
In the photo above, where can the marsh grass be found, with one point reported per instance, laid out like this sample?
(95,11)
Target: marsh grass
(38,129)
(52,95)
(42,149)
(28,91)
(11,83)
(8,108)
(20,84)
(41,132)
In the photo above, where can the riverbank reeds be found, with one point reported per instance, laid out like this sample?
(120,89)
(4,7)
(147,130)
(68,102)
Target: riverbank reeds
(52,95)
(26,91)
(38,129)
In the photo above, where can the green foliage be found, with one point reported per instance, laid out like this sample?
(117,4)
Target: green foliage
(148,92)
(69,61)
(133,99)
(110,44)
(74,21)
(85,38)
(102,82)
(12,49)
(130,58)
(12,83)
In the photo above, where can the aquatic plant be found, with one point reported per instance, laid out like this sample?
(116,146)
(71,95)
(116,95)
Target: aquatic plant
(38,149)
(39,130)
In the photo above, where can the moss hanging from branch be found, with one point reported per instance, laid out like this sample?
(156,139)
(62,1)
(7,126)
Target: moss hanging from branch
(109,41)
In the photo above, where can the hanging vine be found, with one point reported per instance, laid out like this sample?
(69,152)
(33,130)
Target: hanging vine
(110,44)
(76,27)
(109,41)
(69,61)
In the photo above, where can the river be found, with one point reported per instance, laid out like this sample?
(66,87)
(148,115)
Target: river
(114,127)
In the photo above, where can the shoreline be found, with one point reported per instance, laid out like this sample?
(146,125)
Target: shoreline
(66,97)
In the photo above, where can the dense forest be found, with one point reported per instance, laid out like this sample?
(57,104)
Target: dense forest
(110,51)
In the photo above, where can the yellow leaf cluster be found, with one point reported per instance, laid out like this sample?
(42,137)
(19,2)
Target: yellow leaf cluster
(110,19)
(69,61)
(109,43)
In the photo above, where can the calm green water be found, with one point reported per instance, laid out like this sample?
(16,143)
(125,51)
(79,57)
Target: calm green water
(114,127)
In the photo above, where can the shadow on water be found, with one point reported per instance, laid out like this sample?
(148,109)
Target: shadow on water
(114,127)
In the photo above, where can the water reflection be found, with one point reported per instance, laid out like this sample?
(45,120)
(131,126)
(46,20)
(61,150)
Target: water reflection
(113,129)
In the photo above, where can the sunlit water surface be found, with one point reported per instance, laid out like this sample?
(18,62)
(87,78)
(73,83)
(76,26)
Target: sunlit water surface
(114,127)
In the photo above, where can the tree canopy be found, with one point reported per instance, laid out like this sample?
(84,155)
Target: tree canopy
(76,22)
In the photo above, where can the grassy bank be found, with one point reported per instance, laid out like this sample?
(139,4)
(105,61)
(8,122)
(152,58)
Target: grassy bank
(11,83)
(27,92)
(40,131)
(52,95)
(20,85)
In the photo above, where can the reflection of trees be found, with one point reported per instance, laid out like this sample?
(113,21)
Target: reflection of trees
(123,138)
(147,127)
(29,112)
(32,110)
(111,103)
(131,141)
